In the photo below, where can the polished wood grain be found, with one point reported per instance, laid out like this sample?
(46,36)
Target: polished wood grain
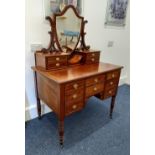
(78,72)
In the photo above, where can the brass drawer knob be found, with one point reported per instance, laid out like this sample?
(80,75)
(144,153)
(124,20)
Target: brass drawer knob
(110,91)
(57,64)
(93,59)
(93,54)
(96,80)
(74,96)
(111,83)
(95,88)
(74,106)
(57,58)
(75,86)
(113,75)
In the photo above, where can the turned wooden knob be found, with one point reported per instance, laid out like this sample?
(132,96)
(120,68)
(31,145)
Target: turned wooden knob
(95,88)
(93,59)
(57,58)
(57,64)
(113,75)
(111,83)
(74,106)
(96,80)
(74,96)
(93,54)
(110,91)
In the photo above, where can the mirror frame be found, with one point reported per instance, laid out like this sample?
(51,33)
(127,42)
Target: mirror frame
(63,13)
(54,45)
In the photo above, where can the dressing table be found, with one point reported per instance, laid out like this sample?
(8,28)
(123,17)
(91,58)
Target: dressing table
(68,72)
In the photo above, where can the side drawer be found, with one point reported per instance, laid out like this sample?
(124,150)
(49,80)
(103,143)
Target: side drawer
(110,92)
(73,107)
(74,97)
(75,85)
(113,74)
(94,89)
(95,79)
(111,83)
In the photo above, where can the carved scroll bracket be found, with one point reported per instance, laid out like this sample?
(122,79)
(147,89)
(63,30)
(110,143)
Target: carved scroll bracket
(83,45)
(51,47)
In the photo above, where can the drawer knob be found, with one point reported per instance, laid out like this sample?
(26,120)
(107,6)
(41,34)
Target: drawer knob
(110,92)
(74,106)
(113,75)
(75,86)
(57,64)
(57,58)
(111,83)
(96,80)
(93,59)
(74,96)
(95,88)
(93,54)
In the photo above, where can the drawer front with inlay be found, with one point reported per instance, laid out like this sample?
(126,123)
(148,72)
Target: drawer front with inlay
(56,65)
(56,59)
(90,60)
(74,96)
(111,83)
(94,89)
(110,92)
(94,80)
(73,107)
(112,75)
(74,85)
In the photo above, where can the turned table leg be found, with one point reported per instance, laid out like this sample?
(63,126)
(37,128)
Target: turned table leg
(37,96)
(112,105)
(61,132)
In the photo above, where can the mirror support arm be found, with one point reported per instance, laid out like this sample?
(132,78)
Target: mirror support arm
(83,45)
(51,47)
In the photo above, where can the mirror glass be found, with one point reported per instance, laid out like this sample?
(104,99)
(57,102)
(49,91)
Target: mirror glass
(68,28)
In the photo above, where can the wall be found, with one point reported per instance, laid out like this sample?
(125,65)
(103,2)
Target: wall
(97,36)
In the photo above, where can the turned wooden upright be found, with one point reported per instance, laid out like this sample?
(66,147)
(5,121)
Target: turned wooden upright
(65,80)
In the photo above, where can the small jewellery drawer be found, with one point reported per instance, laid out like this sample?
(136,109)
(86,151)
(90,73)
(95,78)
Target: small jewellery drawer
(74,97)
(92,60)
(95,79)
(93,54)
(113,74)
(110,92)
(111,83)
(56,64)
(94,89)
(73,107)
(75,85)
(56,59)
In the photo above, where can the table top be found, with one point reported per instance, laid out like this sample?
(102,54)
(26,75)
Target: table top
(77,72)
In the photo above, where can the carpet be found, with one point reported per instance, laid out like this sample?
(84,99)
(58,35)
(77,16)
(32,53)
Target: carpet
(88,132)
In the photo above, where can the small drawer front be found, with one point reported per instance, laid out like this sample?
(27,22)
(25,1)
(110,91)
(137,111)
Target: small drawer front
(92,90)
(94,80)
(71,108)
(93,54)
(111,83)
(56,65)
(74,97)
(112,75)
(76,85)
(54,59)
(90,60)
(110,92)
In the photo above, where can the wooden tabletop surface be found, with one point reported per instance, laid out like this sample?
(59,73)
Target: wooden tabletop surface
(77,72)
